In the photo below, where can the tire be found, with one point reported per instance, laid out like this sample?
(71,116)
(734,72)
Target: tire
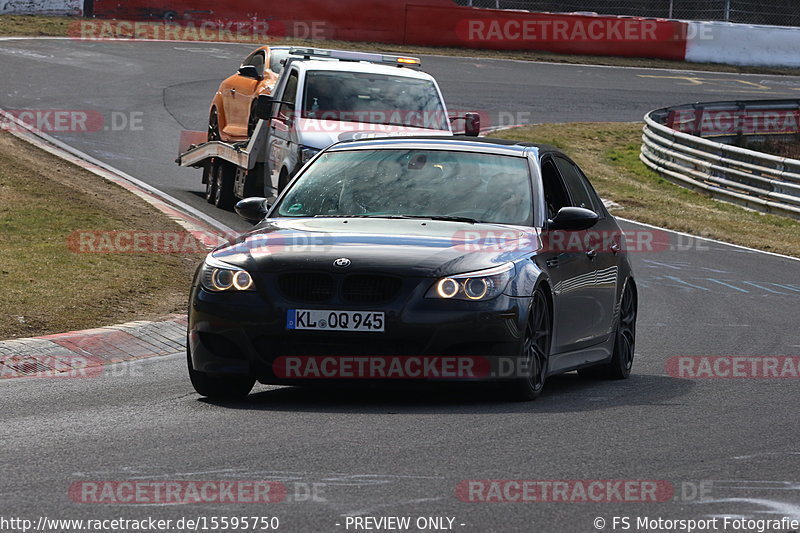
(535,349)
(252,121)
(621,363)
(223,185)
(211,182)
(213,125)
(218,387)
(283,180)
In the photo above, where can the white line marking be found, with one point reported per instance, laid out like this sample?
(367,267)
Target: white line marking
(739,246)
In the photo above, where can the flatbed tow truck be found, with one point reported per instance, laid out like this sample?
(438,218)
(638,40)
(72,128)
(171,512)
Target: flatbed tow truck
(293,126)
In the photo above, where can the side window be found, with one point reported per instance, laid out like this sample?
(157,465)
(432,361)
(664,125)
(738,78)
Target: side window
(579,189)
(257,60)
(555,195)
(289,95)
(276,58)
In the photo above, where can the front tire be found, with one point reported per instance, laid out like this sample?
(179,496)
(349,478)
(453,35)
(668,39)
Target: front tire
(535,355)
(218,387)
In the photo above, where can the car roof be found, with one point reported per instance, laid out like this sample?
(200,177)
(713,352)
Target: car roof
(359,66)
(458,142)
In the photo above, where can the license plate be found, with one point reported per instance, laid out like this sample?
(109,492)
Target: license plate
(316,319)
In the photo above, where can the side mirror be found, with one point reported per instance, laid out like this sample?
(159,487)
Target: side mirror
(472,126)
(573,219)
(249,71)
(264,107)
(253,209)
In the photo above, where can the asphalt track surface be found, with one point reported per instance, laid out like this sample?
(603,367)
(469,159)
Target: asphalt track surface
(403,452)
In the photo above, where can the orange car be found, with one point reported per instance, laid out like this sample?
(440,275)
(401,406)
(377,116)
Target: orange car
(231,118)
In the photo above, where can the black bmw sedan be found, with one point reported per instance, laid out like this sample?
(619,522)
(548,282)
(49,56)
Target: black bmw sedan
(420,259)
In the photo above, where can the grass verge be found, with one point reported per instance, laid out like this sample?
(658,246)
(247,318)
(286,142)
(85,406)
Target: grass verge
(47,285)
(29,25)
(609,154)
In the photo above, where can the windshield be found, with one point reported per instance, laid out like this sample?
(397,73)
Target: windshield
(413,183)
(374,99)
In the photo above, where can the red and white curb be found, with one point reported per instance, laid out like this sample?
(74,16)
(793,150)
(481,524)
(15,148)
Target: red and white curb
(82,353)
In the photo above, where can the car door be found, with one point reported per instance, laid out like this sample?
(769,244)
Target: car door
(602,247)
(282,156)
(570,268)
(240,94)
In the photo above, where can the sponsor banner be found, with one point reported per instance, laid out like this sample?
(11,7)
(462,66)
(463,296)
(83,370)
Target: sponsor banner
(727,122)
(564,491)
(733,367)
(410,22)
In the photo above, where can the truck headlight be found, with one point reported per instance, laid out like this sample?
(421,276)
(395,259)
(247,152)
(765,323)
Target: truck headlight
(216,276)
(480,285)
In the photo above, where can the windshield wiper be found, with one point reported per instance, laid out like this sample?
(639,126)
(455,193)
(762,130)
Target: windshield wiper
(447,218)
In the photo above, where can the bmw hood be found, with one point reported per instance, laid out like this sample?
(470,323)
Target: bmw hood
(419,247)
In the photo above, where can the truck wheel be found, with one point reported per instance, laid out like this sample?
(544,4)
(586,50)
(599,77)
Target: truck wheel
(283,180)
(211,183)
(213,125)
(223,185)
(252,121)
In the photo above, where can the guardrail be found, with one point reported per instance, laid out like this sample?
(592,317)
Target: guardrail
(746,177)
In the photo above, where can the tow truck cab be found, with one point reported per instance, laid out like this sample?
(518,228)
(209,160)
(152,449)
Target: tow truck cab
(325,96)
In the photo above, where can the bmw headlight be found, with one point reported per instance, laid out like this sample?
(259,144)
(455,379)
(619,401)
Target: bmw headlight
(480,285)
(216,276)
(307,153)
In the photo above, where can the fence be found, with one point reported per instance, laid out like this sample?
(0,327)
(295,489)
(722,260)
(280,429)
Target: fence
(677,145)
(777,12)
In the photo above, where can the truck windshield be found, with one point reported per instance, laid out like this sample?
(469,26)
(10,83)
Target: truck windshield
(373,99)
(390,183)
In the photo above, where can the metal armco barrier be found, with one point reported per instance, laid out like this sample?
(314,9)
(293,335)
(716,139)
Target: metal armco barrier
(677,145)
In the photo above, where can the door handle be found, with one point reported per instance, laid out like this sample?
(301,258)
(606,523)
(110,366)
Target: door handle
(591,254)
(615,248)
(232,91)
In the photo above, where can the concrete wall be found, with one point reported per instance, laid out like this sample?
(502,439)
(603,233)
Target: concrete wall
(740,44)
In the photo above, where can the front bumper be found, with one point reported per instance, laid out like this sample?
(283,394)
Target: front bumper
(245,334)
